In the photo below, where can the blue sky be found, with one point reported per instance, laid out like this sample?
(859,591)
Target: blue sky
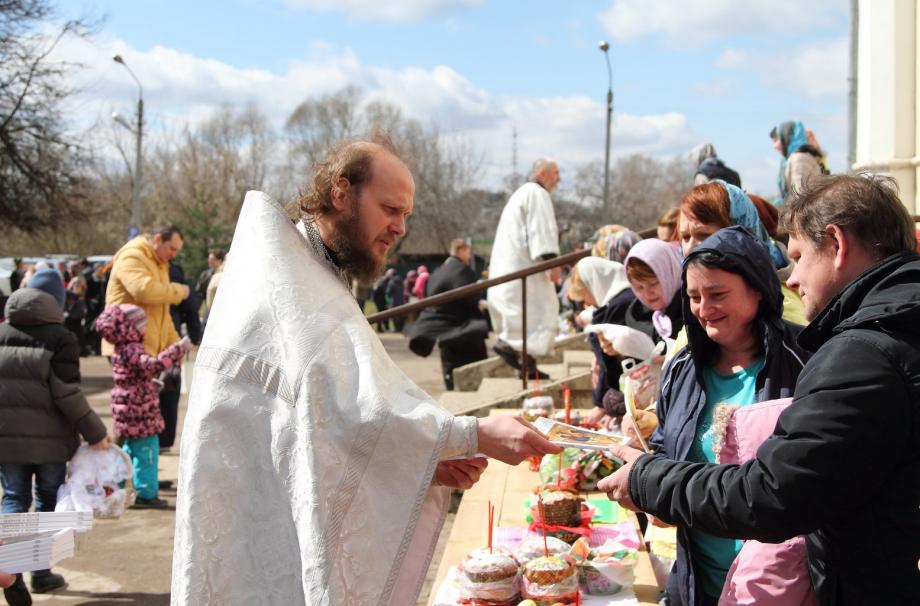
(684,71)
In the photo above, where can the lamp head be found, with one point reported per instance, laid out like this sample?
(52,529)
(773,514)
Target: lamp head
(601,45)
(118,59)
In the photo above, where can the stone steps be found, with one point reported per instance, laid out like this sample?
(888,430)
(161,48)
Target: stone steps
(468,377)
(502,393)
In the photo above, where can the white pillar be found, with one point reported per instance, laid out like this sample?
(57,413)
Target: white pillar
(887,129)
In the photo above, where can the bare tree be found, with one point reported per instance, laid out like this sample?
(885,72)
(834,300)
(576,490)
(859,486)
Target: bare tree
(199,180)
(40,166)
(640,189)
(444,168)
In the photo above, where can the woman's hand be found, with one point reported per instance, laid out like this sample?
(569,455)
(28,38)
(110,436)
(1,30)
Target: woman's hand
(597,416)
(647,421)
(606,345)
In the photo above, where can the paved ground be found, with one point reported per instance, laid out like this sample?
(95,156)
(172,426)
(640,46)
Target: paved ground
(127,561)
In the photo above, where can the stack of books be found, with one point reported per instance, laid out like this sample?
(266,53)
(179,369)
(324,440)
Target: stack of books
(37,541)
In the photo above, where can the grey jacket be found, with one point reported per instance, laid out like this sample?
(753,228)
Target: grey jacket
(42,409)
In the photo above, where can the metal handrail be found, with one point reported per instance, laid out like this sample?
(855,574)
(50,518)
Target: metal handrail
(481,285)
(477,287)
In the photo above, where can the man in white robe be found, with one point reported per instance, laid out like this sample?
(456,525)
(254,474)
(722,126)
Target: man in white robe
(526,234)
(312,470)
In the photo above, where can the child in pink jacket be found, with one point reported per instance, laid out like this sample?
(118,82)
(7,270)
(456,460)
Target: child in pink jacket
(135,395)
(763,573)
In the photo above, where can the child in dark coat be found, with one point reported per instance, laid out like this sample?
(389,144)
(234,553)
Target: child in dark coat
(135,395)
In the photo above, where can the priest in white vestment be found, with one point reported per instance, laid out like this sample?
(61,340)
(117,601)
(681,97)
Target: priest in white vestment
(526,234)
(313,471)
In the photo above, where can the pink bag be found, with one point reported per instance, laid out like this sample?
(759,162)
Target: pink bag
(762,573)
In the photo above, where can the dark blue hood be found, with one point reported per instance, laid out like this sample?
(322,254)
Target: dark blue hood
(746,256)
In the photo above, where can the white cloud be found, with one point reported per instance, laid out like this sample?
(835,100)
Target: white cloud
(713,90)
(758,174)
(182,89)
(398,10)
(816,71)
(692,23)
(733,58)
(571,130)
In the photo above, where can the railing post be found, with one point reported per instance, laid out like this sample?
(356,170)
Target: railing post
(524,370)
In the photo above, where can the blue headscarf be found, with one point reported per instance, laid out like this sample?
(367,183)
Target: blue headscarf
(793,137)
(743,212)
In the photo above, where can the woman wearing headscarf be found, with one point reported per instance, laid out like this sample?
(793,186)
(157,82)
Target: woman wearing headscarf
(601,283)
(706,209)
(606,284)
(709,167)
(801,159)
(740,352)
(653,271)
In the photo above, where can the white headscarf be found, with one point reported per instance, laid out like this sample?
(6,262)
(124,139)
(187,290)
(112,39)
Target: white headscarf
(605,279)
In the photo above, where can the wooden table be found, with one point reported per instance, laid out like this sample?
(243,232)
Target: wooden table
(507,488)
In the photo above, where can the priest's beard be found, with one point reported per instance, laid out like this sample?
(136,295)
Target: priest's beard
(351,249)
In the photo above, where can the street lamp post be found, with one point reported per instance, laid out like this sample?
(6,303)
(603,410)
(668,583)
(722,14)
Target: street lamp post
(138,135)
(604,48)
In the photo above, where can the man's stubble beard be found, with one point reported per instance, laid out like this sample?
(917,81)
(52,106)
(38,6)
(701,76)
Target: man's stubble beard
(352,252)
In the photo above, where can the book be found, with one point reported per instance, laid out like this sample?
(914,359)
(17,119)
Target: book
(17,524)
(576,437)
(40,551)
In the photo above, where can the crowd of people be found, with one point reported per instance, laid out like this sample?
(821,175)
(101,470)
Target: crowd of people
(784,435)
(130,309)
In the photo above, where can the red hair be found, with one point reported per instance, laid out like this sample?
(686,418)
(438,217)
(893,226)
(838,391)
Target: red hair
(707,204)
(769,214)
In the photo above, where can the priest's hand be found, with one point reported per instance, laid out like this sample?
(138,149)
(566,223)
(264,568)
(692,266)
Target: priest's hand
(616,485)
(511,439)
(460,473)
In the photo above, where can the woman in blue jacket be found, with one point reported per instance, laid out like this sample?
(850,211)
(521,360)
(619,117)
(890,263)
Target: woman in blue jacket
(740,352)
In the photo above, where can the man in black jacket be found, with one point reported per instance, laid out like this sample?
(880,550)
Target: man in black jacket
(458,327)
(185,312)
(843,464)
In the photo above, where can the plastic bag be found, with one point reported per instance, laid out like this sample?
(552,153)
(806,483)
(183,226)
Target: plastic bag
(610,568)
(549,466)
(640,380)
(533,547)
(95,483)
(566,589)
(482,561)
(593,467)
(537,406)
(628,342)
